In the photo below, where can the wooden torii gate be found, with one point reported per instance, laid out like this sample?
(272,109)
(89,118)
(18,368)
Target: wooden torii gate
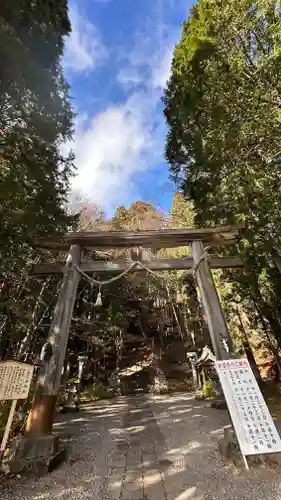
(53,353)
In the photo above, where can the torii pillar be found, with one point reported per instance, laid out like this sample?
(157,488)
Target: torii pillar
(219,332)
(38,443)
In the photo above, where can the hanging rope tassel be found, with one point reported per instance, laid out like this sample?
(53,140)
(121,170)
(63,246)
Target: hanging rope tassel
(98,302)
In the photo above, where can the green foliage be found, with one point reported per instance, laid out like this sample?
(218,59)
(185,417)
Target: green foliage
(182,216)
(35,120)
(97,390)
(182,212)
(208,391)
(139,306)
(222,105)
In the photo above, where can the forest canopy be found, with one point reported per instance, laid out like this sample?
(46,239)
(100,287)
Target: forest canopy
(222,106)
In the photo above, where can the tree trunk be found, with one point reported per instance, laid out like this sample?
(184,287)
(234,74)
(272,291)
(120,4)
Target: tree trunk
(24,345)
(248,350)
(265,329)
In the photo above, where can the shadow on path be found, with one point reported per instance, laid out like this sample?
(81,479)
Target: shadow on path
(145,448)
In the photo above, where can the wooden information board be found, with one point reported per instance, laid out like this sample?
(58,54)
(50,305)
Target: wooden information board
(254,427)
(15,380)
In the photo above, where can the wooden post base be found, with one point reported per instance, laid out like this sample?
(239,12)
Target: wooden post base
(41,416)
(39,449)
(39,454)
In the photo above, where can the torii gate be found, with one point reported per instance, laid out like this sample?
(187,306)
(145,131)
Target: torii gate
(41,416)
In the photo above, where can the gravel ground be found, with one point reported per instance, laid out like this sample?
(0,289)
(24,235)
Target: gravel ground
(91,437)
(146,448)
(191,429)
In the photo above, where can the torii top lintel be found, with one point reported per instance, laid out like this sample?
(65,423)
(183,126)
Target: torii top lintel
(163,238)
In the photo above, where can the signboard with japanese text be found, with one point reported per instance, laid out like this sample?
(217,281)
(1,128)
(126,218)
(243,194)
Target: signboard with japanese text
(254,427)
(15,380)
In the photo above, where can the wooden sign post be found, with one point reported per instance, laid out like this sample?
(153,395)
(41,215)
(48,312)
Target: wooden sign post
(253,424)
(15,380)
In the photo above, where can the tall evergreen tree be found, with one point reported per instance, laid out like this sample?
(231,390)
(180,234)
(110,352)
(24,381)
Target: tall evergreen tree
(222,105)
(35,119)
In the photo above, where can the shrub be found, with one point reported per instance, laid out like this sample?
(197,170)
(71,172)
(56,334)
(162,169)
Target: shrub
(208,391)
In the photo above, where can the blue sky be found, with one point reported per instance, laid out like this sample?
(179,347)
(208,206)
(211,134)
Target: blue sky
(117,61)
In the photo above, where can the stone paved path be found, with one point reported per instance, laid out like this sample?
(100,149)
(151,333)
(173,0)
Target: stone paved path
(146,448)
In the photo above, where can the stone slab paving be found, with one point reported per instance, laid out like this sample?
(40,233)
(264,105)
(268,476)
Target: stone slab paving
(142,477)
(146,448)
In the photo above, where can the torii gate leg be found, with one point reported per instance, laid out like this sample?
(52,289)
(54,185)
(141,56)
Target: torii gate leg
(38,443)
(219,332)
(41,416)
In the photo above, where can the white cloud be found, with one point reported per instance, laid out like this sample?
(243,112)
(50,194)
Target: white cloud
(127,139)
(112,147)
(84,48)
(161,69)
(130,78)
(149,61)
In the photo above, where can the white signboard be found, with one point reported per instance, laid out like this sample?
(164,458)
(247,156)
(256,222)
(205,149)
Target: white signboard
(15,380)
(254,427)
